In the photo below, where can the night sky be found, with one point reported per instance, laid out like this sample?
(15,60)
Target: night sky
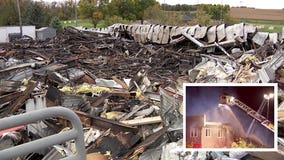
(205,100)
(200,99)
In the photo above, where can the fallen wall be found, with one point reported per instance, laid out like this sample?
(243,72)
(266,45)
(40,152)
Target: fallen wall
(162,34)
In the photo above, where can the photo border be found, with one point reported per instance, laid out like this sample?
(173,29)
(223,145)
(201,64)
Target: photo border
(275,148)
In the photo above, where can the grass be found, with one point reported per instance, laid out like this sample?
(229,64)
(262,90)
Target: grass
(268,26)
(84,23)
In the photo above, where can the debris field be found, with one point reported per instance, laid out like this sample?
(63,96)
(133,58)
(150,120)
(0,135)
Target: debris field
(125,83)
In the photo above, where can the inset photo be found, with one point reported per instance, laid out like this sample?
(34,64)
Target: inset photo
(230,117)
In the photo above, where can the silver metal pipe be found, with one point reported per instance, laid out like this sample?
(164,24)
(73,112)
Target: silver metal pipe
(26,118)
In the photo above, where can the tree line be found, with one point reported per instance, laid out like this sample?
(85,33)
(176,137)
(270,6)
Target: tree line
(107,12)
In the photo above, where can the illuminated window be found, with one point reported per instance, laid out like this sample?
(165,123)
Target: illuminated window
(207,132)
(220,135)
(193,132)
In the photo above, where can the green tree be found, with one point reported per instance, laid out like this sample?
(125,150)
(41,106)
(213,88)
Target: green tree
(36,14)
(216,12)
(141,6)
(202,17)
(55,23)
(114,19)
(128,9)
(63,10)
(154,14)
(97,16)
(228,19)
(9,11)
(87,8)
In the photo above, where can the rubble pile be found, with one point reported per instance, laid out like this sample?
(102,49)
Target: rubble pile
(126,84)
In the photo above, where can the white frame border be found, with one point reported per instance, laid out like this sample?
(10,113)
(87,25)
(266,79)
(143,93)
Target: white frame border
(275,148)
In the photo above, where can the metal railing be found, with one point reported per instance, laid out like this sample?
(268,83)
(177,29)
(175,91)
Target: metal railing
(75,133)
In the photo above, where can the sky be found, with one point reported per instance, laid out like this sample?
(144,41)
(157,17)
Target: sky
(264,4)
(203,98)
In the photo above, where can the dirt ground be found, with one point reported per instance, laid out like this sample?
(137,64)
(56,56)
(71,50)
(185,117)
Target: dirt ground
(258,14)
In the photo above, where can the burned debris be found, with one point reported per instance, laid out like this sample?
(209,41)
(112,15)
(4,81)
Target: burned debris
(125,82)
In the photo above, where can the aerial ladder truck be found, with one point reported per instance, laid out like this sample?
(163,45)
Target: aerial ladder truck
(232,101)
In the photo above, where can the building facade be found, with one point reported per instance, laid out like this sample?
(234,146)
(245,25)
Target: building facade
(202,134)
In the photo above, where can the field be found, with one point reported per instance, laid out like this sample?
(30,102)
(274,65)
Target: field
(258,14)
(267,20)
(266,25)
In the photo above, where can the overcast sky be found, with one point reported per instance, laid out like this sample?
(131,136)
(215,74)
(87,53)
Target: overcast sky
(266,4)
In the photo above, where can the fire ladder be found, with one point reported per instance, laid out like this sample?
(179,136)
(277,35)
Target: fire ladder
(230,100)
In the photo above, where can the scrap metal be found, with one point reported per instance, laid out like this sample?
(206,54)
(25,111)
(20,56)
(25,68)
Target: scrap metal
(104,74)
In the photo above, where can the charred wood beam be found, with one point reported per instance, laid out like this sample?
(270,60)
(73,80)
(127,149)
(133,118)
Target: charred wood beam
(32,64)
(132,113)
(106,123)
(38,54)
(22,98)
(146,143)
(100,100)
(9,97)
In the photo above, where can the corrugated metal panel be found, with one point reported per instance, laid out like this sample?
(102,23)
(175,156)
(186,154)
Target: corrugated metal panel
(200,32)
(230,33)
(248,29)
(260,37)
(211,34)
(192,29)
(221,32)
(273,37)
(239,30)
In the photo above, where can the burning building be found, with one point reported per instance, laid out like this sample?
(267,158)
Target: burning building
(202,134)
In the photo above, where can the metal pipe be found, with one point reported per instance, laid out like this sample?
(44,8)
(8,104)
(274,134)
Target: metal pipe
(20,18)
(195,41)
(76,17)
(26,118)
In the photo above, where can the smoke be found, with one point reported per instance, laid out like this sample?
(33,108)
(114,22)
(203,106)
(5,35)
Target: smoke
(224,114)
(202,99)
